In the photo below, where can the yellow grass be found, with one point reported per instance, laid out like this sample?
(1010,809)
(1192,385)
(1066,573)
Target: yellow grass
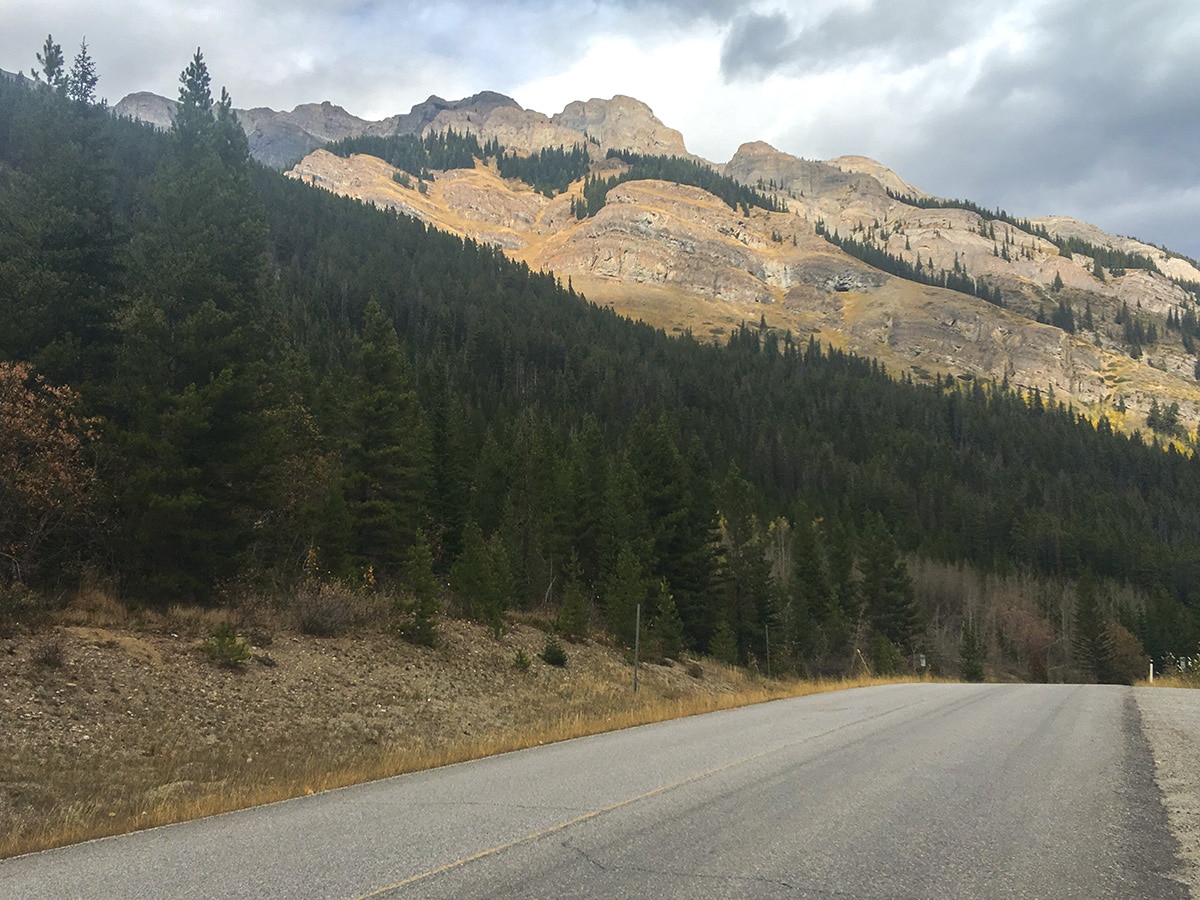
(595,708)
(1170,681)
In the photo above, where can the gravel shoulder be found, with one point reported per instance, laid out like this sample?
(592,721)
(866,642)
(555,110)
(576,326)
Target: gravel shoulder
(1171,723)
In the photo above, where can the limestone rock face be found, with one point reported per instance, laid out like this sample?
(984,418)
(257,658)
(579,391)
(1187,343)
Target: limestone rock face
(149,108)
(622,123)
(474,203)
(518,130)
(324,122)
(885,176)
(418,119)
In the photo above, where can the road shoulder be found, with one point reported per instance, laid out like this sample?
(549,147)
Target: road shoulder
(1171,724)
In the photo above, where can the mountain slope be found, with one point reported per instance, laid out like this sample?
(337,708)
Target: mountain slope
(1107,339)
(678,257)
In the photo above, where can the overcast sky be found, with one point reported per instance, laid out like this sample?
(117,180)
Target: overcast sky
(1088,108)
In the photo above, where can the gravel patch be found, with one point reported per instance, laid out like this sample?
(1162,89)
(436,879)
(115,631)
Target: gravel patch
(1171,723)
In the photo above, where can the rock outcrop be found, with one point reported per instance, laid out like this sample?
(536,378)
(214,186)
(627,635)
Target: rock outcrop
(622,123)
(149,108)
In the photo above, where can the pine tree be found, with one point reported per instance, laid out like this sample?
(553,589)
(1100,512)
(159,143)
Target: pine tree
(194,125)
(626,589)
(971,652)
(809,593)
(423,586)
(82,79)
(195,400)
(886,586)
(574,616)
(387,453)
(666,628)
(482,578)
(51,61)
(723,646)
(1091,639)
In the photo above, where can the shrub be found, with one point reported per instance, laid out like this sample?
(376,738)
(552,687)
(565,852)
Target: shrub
(522,662)
(323,609)
(19,606)
(225,648)
(888,658)
(573,620)
(49,655)
(554,654)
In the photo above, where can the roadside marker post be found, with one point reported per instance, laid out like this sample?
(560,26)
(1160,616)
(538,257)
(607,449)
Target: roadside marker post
(637,640)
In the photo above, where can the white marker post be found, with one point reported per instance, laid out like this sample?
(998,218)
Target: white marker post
(637,640)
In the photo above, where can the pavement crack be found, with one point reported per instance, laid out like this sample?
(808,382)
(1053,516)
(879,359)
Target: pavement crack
(585,856)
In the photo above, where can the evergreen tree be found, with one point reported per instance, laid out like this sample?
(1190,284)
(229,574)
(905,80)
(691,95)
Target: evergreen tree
(482,579)
(747,576)
(588,467)
(194,401)
(886,586)
(809,595)
(723,646)
(51,62)
(387,453)
(81,81)
(574,616)
(971,652)
(666,628)
(1091,640)
(627,588)
(194,125)
(423,586)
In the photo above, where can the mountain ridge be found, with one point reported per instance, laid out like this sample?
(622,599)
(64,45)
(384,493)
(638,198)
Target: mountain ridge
(718,267)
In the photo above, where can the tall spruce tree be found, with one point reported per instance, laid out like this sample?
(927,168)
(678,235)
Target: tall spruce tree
(886,586)
(81,81)
(387,458)
(421,628)
(626,590)
(482,578)
(194,401)
(1091,639)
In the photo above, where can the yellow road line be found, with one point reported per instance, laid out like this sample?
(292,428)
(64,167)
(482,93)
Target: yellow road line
(500,848)
(492,851)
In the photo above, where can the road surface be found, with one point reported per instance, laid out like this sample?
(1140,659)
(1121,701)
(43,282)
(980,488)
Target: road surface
(901,791)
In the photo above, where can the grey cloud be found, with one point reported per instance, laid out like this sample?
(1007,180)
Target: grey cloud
(894,33)
(756,44)
(1107,110)
(1094,113)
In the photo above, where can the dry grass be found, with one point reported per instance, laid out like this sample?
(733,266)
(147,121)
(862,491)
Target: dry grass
(1170,681)
(587,706)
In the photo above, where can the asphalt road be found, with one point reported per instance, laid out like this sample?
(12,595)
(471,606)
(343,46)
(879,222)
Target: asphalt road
(904,791)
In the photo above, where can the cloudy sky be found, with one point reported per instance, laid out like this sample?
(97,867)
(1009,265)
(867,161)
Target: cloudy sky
(1088,108)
